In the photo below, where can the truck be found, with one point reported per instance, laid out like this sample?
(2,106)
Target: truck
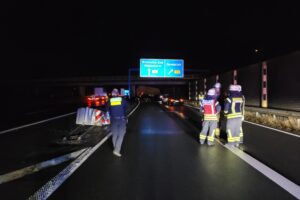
(98,99)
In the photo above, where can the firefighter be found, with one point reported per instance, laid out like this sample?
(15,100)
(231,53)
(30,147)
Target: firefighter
(217,87)
(210,108)
(234,111)
(200,97)
(117,108)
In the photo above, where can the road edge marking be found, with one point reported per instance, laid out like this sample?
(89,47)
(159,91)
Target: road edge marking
(17,174)
(271,174)
(35,123)
(52,185)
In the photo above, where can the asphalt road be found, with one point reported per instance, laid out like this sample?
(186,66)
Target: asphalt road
(163,160)
(275,149)
(34,144)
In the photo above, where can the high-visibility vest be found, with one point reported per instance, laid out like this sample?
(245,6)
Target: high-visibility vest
(235,108)
(210,110)
(115,101)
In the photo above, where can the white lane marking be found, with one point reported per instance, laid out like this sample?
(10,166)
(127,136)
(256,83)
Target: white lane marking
(37,167)
(277,178)
(51,186)
(134,109)
(274,129)
(35,123)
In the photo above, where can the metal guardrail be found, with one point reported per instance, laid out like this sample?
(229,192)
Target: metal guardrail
(269,111)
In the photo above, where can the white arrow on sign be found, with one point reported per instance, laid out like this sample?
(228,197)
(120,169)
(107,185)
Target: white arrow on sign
(170,71)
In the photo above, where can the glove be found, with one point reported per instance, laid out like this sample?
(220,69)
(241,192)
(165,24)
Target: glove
(243,118)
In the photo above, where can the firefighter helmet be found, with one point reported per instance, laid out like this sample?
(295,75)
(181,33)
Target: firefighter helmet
(217,85)
(211,92)
(236,88)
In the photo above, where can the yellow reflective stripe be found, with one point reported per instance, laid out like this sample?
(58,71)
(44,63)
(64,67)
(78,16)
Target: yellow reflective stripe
(230,138)
(202,136)
(228,100)
(210,117)
(237,139)
(212,137)
(116,101)
(238,99)
(234,115)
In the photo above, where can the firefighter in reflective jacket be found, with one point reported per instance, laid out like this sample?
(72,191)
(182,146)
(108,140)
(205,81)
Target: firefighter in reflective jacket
(217,87)
(210,108)
(117,108)
(200,97)
(234,110)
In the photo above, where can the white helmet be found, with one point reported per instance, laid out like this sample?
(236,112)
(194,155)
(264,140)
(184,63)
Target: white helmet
(240,88)
(211,92)
(236,88)
(115,92)
(217,85)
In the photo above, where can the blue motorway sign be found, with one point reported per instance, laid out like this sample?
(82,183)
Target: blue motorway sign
(165,68)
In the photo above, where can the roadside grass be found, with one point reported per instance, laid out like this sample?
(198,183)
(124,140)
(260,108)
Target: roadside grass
(290,124)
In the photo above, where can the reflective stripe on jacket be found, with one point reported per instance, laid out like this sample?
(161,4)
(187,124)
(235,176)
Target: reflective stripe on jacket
(210,108)
(234,106)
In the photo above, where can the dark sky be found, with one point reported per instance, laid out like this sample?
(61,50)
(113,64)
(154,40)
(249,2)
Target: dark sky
(77,38)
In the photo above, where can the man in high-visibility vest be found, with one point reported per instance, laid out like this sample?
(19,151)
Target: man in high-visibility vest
(210,108)
(234,112)
(117,108)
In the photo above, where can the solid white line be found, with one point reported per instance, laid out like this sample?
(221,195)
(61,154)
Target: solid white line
(277,178)
(51,186)
(134,109)
(35,123)
(40,166)
(274,129)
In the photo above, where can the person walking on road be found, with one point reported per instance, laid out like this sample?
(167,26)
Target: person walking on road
(117,108)
(210,108)
(234,110)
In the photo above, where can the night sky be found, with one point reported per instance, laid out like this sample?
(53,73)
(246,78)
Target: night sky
(78,38)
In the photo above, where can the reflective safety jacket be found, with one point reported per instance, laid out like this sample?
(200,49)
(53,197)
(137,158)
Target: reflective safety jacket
(117,107)
(234,105)
(210,107)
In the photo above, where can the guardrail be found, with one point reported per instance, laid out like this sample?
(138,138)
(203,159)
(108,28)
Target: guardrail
(280,119)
